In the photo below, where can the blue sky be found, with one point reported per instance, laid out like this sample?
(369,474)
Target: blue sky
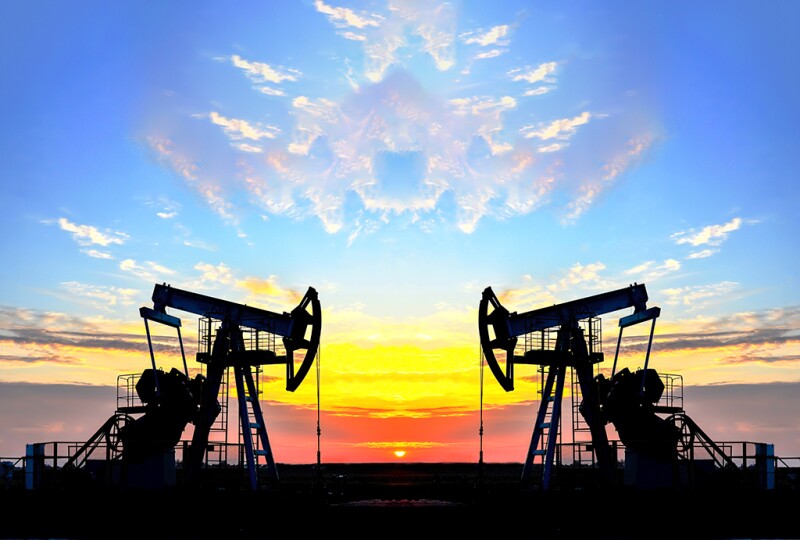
(400,157)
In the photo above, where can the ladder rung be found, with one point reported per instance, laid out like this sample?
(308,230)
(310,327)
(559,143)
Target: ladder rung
(539,452)
(260,452)
(544,425)
(255,425)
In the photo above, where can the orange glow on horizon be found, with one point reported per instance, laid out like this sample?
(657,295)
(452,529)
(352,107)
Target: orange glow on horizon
(400,453)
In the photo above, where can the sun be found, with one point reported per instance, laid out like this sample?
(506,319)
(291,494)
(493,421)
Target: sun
(399,453)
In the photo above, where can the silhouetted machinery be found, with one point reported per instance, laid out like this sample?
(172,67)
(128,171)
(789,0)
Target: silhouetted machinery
(245,338)
(628,400)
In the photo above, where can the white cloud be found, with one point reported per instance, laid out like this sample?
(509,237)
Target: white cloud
(260,72)
(696,297)
(491,37)
(268,90)
(493,53)
(244,147)
(649,271)
(343,17)
(702,254)
(100,296)
(589,191)
(238,129)
(148,270)
(587,275)
(86,235)
(482,105)
(211,192)
(561,129)
(555,147)
(712,235)
(210,273)
(97,254)
(538,91)
(353,36)
(537,74)
(167,209)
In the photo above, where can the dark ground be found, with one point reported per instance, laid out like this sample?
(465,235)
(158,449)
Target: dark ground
(401,501)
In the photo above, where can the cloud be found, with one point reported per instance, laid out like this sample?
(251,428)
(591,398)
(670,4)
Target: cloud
(538,74)
(95,254)
(353,36)
(649,271)
(493,36)
(212,193)
(148,270)
(493,53)
(431,26)
(166,209)
(244,147)
(585,275)
(712,235)
(538,91)
(699,296)
(269,290)
(212,274)
(269,91)
(344,17)
(260,72)
(389,149)
(87,235)
(561,129)
(103,297)
(590,190)
(238,129)
(702,254)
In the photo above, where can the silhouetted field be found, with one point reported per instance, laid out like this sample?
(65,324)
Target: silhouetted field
(399,501)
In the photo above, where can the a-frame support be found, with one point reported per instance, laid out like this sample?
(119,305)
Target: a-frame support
(570,351)
(254,429)
(546,423)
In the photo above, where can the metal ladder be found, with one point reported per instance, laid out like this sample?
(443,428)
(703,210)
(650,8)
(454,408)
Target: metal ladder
(546,429)
(253,429)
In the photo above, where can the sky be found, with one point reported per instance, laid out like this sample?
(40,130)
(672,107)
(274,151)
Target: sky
(399,157)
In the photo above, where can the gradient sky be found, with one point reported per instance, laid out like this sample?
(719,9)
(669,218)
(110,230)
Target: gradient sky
(399,157)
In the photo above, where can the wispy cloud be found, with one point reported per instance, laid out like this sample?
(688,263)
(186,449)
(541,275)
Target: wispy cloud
(238,129)
(561,129)
(589,191)
(212,193)
(95,254)
(87,235)
(702,254)
(269,290)
(480,145)
(102,297)
(696,297)
(650,271)
(270,91)
(711,235)
(343,17)
(261,72)
(165,208)
(538,91)
(540,73)
(431,27)
(492,53)
(148,270)
(493,36)
(211,274)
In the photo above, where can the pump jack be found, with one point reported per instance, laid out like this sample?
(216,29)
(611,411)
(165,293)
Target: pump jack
(571,350)
(300,332)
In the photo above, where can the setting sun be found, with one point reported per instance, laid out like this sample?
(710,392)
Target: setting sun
(399,453)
